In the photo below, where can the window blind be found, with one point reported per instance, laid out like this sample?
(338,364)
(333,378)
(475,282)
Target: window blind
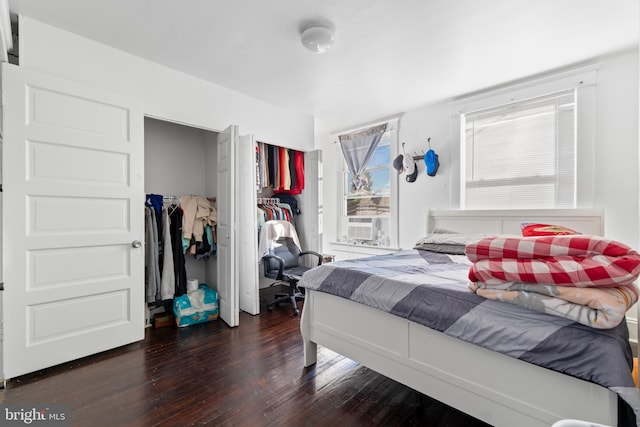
(521,155)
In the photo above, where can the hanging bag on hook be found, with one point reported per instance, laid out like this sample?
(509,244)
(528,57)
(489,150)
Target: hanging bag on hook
(410,166)
(432,163)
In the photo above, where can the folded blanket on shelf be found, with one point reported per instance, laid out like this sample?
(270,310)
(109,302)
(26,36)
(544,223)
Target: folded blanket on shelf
(573,260)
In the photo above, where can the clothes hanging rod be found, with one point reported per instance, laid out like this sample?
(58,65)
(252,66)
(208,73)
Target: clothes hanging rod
(264,200)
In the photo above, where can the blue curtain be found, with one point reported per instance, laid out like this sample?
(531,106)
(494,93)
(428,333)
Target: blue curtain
(357,149)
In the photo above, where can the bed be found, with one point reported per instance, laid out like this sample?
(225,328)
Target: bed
(493,387)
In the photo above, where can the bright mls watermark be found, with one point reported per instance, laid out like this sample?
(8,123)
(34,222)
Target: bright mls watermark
(34,415)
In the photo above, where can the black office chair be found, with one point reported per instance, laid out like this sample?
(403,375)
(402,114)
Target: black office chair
(283,263)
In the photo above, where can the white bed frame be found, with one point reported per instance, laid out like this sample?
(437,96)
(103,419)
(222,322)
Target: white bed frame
(498,389)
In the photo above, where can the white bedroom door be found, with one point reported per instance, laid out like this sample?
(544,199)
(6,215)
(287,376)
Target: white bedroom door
(228,291)
(247,226)
(72,220)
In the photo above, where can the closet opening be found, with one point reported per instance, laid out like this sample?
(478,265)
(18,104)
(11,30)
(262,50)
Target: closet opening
(180,161)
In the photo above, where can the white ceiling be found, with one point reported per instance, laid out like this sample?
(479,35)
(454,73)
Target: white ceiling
(389,56)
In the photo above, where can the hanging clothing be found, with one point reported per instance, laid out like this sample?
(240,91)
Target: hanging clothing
(264,163)
(275,211)
(299,166)
(292,168)
(258,169)
(261,216)
(285,173)
(204,249)
(168,278)
(156,202)
(272,230)
(152,271)
(280,168)
(275,166)
(198,212)
(290,200)
(165,271)
(179,270)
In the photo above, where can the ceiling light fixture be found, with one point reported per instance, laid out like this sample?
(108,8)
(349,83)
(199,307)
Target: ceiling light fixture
(317,38)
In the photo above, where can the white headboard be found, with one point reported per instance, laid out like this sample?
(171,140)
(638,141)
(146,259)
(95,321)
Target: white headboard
(507,221)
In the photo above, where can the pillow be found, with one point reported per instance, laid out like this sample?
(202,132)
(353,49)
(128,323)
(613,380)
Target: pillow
(443,248)
(442,231)
(529,229)
(447,242)
(451,238)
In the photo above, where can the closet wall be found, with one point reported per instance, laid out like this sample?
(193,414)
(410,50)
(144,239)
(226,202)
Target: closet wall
(179,160)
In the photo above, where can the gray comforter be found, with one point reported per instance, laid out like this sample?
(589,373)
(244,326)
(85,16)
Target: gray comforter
(431,289)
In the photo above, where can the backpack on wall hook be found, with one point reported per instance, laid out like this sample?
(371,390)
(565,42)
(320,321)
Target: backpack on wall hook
(431,161)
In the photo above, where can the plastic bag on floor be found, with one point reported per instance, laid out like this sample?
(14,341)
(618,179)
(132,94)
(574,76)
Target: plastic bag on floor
(197,306)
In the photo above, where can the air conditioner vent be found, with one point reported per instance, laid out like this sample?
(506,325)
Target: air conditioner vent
(360,229)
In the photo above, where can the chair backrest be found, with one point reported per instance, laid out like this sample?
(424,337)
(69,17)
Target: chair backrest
(285,248)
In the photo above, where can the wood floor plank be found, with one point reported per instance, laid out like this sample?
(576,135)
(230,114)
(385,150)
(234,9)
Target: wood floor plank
(252,375)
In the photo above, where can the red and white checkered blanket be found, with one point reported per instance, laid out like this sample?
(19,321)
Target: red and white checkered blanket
(573,260)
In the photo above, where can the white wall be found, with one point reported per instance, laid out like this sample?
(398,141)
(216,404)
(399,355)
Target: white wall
(174,158)
(616,169)
(166,93)
(615,176)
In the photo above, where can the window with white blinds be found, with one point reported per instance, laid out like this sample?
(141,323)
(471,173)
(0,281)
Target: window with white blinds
(521,155)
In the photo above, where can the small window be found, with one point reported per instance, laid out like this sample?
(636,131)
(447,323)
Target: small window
(374,198)
(368,214)
(521,155)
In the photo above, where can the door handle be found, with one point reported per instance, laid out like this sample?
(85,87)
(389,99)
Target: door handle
(136,244)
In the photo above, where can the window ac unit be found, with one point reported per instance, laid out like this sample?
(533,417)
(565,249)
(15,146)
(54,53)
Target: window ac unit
(360,229)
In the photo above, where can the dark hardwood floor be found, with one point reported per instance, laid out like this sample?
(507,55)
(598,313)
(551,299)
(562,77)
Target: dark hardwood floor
(252,375)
